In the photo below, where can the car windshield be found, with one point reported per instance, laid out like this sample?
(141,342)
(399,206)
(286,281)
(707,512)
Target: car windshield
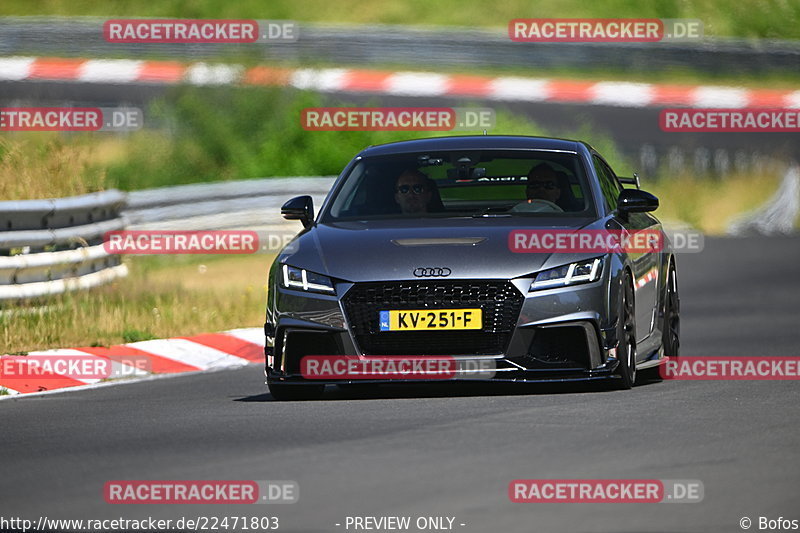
(464,184)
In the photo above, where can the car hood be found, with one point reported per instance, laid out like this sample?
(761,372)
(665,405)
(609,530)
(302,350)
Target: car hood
(380,250)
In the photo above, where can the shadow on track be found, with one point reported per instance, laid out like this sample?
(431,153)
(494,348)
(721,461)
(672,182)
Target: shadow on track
(456,390)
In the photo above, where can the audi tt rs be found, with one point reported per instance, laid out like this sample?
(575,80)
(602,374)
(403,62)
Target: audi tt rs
(421,250)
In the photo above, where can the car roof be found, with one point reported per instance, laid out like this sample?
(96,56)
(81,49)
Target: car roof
(474,142)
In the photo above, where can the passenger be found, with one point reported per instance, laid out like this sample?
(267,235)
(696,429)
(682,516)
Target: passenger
(543,184)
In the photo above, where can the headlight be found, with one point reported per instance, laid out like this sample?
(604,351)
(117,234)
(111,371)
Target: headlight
(580,272)
(302,279)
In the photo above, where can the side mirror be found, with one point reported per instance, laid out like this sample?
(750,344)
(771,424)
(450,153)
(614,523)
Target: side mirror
(636,201)
(299,208)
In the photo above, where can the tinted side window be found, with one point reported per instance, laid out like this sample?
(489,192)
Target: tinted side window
(608,182)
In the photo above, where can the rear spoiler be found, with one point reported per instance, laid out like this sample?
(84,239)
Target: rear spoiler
(630,181)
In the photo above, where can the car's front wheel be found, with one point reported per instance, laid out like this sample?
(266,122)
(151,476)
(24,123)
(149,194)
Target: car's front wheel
(626,335)
(284,392)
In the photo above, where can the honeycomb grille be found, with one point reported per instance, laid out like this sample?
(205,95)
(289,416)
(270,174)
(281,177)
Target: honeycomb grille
(499,301)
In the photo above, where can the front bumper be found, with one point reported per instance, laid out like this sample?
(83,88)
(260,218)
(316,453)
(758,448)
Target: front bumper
(558,335)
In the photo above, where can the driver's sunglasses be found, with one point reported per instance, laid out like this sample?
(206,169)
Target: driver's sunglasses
(549,185)
(405,189)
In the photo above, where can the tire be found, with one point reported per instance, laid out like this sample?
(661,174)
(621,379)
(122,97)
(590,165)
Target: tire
(626,335)
(284,392)
(670,327)
(671,332)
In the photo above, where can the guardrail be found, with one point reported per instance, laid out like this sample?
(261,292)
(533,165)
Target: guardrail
(49,247)
(778,215)
(52,246)
(252,204)
(386,45)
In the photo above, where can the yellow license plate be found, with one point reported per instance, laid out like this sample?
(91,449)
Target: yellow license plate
(430,319)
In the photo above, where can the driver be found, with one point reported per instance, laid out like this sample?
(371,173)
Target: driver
(543,184)
(414,192)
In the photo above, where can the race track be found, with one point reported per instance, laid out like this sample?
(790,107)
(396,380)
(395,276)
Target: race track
(422,451)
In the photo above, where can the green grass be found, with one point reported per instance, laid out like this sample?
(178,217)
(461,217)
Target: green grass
(711,204)
(209,135)
(774,19)
(46,165)
(162,297)
(135,335)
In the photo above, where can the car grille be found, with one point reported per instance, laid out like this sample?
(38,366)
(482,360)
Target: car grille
(500,302)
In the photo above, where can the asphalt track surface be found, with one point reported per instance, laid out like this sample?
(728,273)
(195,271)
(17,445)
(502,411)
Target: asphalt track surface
(424,451)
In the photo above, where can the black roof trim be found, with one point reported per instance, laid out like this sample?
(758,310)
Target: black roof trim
(473,142)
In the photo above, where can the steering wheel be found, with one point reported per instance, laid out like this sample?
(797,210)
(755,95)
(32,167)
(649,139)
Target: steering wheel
(538,205)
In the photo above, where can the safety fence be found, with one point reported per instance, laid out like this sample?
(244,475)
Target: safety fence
(48,247)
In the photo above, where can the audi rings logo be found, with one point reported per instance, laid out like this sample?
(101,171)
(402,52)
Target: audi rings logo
(432,272)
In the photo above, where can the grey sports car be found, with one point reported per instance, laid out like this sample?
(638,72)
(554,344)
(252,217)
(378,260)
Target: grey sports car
(422,249)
